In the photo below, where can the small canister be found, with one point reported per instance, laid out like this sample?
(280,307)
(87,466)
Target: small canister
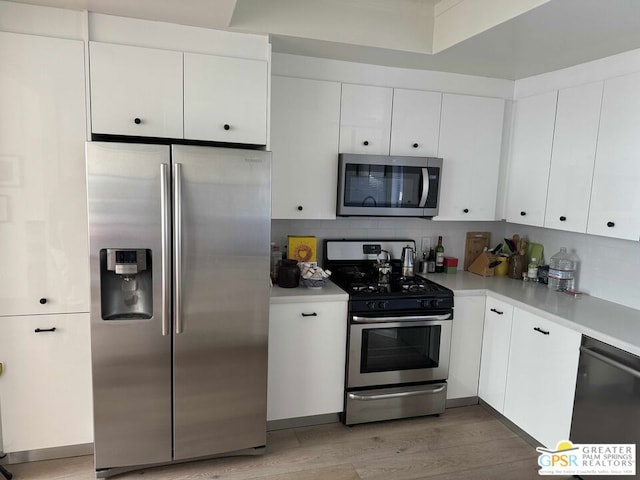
(288,273)
(502,268)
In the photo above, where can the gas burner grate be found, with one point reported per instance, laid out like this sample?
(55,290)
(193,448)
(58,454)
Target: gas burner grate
(371,287)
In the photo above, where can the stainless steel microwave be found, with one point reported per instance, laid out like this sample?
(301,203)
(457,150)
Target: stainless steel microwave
(388,186)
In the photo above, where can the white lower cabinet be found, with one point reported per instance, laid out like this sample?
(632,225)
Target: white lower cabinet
(543,364)
(466,347)
(307,348)
(496,340)
(45,385)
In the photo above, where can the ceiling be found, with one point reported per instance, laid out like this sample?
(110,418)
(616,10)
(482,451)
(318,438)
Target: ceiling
(554,35)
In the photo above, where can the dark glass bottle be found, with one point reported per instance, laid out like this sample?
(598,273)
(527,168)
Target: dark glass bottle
(440,256)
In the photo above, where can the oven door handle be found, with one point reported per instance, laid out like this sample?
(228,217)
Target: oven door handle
(385,396)
(408,318)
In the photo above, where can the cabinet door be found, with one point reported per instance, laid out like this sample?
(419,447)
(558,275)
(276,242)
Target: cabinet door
(307,345)
(43,206)
(415,123)
(495,352)
(225,99)
(365,119)
(466,347)
(135,91)
(615,198)
(305,122)
(574,150)
(470,145)
(45,388)
(543,364)
(532,138)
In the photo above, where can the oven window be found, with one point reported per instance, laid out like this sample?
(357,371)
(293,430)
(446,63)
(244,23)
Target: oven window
(400,348)
(382,186)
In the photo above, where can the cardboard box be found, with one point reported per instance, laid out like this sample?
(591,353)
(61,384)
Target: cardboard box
(302,249)
(484,264)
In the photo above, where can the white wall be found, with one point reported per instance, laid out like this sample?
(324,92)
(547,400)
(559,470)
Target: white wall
(608,267)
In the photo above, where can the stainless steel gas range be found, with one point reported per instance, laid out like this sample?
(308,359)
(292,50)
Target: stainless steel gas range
(399,334)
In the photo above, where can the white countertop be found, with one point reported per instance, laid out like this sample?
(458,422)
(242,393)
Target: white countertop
(329,293)
(609,322)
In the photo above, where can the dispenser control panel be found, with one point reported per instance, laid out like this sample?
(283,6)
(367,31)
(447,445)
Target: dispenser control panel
(126,262)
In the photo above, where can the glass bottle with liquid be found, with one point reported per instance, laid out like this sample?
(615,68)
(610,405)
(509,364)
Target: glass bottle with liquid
(440,256)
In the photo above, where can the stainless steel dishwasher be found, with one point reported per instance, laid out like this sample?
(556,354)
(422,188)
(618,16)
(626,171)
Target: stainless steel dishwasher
(606,408)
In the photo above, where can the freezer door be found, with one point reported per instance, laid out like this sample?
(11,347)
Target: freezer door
(131,358)
(222,207)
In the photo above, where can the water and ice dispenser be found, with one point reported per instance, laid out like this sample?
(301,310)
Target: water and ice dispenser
(126,286)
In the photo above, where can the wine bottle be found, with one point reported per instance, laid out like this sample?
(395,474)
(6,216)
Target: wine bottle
(439,256)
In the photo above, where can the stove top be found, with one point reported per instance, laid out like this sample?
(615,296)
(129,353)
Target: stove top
(353,266)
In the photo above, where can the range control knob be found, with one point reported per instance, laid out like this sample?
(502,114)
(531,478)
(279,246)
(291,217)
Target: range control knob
(371,305)
(382,305)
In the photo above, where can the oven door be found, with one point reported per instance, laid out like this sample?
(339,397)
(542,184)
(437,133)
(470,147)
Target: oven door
(395,350)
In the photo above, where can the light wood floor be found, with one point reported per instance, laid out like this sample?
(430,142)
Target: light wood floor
(465,443)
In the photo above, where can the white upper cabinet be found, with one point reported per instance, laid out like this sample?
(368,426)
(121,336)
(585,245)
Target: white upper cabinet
(43,206)
(574,150)
(305,122)
(615,196)
(135,91)
(225,99)
(470,145)
(415,123)
(365,119)
(532,139)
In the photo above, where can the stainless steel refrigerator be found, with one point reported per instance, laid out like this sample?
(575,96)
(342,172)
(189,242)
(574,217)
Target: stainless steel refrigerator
(179,242)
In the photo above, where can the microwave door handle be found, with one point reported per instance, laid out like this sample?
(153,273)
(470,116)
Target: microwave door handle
(425,188)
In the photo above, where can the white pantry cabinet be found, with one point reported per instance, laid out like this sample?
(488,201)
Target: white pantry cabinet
(305,123)
(466,347)
(45,386)
(615,196)
(543,365)
(496,340)
(135,91)
(533,126)
(365,119)
(43,213)
(307,349)
(225,99)
(470,145)
(415,123)
(574,150)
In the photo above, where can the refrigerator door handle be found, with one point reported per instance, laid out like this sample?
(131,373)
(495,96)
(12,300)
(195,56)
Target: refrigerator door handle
(177,245)
(165,187)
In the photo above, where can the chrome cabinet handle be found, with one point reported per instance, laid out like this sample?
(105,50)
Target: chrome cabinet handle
(177,246)
(165,213)
(497,311)
(384,396)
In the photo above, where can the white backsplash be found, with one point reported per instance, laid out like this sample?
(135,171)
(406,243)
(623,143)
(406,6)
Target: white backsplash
(608,268)
(453,233)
